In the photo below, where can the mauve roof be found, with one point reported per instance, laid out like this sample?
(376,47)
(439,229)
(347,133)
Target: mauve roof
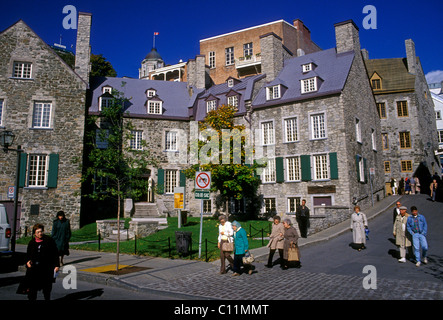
(330,67)
(174,95)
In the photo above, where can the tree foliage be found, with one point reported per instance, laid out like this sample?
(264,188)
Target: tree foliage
(100,67)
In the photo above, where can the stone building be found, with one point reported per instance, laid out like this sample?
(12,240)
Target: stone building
(407,116)
(42,101)
(437,98)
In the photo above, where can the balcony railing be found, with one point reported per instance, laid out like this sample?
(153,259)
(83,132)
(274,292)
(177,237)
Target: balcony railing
(247,61)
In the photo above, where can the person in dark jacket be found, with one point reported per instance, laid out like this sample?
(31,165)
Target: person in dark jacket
(61,233)
(42,263)
(302,216)
(291,239)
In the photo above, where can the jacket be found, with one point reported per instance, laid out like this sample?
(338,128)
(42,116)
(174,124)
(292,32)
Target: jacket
(276,241)
(402,237)
(228,231)
(422,225)
(240,241)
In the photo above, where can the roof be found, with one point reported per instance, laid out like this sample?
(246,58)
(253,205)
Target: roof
(153,55)
(393,73)
(331,68)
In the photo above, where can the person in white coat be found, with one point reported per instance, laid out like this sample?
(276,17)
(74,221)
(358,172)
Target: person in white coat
(225,233)
(359,223)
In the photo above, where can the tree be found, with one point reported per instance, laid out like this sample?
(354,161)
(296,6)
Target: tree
(100,67)
(232,176)
(116,169)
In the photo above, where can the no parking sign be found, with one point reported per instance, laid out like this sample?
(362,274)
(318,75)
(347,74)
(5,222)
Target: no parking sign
(203,180)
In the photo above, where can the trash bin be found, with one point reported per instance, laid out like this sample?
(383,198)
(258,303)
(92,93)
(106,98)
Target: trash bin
(184,217)
(183,242)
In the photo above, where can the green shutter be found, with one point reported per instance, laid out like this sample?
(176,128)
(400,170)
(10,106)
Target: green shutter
(22,177)
(279,169)
(333,165)
(160,181)
(53,170)
(357,161)
(182,178)
(365,169)
(305,162)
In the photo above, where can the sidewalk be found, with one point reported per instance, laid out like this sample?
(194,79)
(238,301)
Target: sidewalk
(142,273)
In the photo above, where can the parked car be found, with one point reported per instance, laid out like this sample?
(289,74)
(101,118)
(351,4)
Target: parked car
(5,230)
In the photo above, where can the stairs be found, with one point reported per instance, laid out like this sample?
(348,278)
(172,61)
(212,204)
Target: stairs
(145,210)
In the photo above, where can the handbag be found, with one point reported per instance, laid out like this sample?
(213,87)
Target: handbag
(248,258)
(228,246)
(25,284)
(293,253)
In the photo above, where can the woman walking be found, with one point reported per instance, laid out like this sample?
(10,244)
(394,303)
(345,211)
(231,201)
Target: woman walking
(433,187)
(291,237)
(276,241)
(358,225)
(225,233)
(241,247)
(61,233)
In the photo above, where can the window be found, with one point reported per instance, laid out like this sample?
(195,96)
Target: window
(151,93)
(37,170)
(171,141)
(307,67)
(230,83)
(107,89)
(101,138)
(402,108)
(211,105)
(233,101)
(358,130)
(170,181)
(207,206)
(387,165)
(269,171)
(212,59)
(406,165)
(229,54)
(270,205)
(41,117)
(381,107)
(136,140)
(291,131)
(321,167)
(405,140)
(373,139)
(154,107)
(293,168)
(247,50)
(273,92)
(22,70)
(322,201)
(318,127)
(293,203)
(361,169)
(268,132)
(104,102)
(440,136)
(1,112)
(376,84)
(309,85)
(385,141)
(438,115)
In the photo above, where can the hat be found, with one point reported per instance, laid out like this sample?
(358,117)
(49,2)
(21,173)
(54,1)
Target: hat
(236,223)
(403,208)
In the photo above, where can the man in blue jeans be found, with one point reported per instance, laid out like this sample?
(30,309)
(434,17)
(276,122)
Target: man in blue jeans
(418,229)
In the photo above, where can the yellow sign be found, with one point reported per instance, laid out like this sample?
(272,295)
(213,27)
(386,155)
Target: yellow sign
(178,201)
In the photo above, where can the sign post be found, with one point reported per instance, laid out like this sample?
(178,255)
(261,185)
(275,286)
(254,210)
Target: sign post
(202,187)
(179,203)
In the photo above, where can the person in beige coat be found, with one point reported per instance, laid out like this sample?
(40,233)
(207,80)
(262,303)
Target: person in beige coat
(276,241)
(402,237)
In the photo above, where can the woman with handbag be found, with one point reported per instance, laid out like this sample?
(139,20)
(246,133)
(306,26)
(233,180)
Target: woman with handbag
(241,248)
(359,223)
(276,241)
(225,243)
(291,253)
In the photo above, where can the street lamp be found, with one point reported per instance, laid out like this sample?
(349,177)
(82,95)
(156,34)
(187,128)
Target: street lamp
(6,140)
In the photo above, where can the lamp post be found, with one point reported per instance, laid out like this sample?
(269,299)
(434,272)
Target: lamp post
(6,140)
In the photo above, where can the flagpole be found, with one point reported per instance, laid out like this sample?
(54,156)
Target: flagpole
(154,41)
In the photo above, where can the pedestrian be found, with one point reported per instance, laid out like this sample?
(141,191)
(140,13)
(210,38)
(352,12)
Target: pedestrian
(392,183)
(276,241)
(413,184)
(407,185)
(418,228)
(396,211)
(241,247)
(433,187)
(42,263)
(61,233)
(291,239)
(395,187)
(359,223)
(401,187)
(302,216)
(417,185)
(225,233)
(402,236)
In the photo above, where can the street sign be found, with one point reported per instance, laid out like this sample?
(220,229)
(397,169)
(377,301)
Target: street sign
(11,192)
(202,194)
(372,171)
(203,180)
(179,197)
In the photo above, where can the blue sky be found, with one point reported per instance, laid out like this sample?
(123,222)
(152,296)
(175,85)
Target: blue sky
(123,30)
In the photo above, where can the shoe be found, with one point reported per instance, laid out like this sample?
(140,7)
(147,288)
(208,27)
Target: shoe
(235,274)
(418,264)
(250,272)
(425,260)
(403,260)
(268,265)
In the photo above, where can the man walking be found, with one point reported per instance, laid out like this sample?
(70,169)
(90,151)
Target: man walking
(396,211)
(302,217)
(418,228)
(400,233)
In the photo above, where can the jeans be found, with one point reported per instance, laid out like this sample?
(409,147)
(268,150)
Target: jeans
(417,241)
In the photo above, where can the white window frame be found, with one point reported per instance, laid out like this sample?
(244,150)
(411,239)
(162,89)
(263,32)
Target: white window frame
(269,173)
(211,58)
(171,180)
(42,115)
(171,140)
(267,133)
(151,93)
(22,70)
(373,140)
(230,83)
(318,126)
(307,67)
(297,202)
(155,107)
(136,140)
(2,109)
(361,169)
(107,89)
(358,136)
(229,56)
(211,105)
(293,168)
(248,49)
(320,166)
(440,136)
(437,115)
(104,102)
(37,170)
(308,85)
(291,129)
(233,101)
(273,92)
(270,200)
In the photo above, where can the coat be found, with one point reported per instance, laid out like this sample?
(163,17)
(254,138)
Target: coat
(402,236)
(291,235)
(227,231)
(358,224)
(276,240)
(61,233)
(240,241)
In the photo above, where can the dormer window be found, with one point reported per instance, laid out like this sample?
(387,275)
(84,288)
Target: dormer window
(307,67)
(104,102)
(233,101)
(107,89)
(309,85)
(211,105)
(230,83)
(151,93)
(155,106)
(273,92)
(376,82)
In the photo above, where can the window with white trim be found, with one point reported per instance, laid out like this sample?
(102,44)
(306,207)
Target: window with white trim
(211,59)
(373,140)
(1,112)
(151,93)
(361,169)
(440,136)
(291,130)
(107,89)
(437,115)
(136,140)
(247,49)
(267,129)
(321,171)
(293,203)
(154,107)
(171,181)
(41,117)
(22,70)
(268,173)
(233,101)
(293,168)
(358,130)
(307,67)
(211,105)
(318,126)
(309,85)
(171,141)
(37,170)
(230,83)
(273,92)
(269,206)
(229,54)
(104,102)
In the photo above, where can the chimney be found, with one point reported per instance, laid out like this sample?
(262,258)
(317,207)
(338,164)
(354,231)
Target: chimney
(346,36)
(271,55)
(83,46)
(365,54)
(197,72)
(410,56)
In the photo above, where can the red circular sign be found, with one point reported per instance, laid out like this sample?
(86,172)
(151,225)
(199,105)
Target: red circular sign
(202,180)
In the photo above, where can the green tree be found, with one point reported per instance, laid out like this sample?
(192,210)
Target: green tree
(100,67)
(115,169)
